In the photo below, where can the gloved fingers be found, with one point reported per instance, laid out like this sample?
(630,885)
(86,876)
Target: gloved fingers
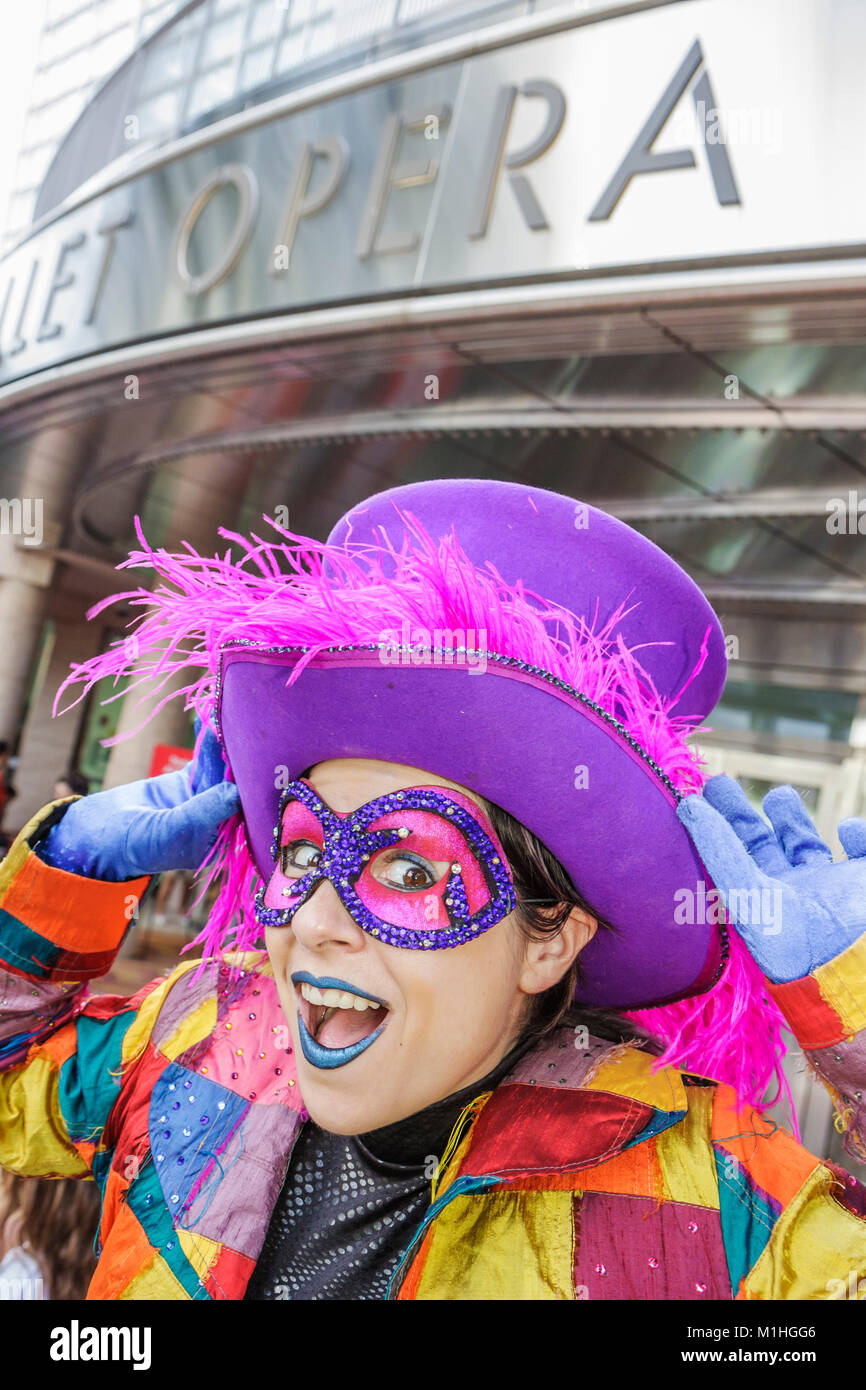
(852,837)
(209,768)
(721,850)
(728,797)
(180,836)
(795,829)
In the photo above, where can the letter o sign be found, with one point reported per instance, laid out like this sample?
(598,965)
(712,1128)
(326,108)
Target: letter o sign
(238,176)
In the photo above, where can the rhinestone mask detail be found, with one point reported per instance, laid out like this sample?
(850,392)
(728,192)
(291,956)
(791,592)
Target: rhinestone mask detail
(473,894)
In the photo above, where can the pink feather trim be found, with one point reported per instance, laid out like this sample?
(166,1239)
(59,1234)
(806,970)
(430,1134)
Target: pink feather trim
(299,591)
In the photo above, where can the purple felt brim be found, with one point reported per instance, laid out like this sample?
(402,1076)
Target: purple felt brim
(614,828)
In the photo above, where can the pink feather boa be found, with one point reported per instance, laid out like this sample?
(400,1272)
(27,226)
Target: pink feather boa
(298,591)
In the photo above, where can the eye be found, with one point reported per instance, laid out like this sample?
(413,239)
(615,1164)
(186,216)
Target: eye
(298,857)
(407,872)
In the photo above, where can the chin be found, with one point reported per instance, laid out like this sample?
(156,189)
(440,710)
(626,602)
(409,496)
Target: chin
(344,1114)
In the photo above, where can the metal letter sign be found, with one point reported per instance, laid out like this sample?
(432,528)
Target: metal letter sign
(641,159)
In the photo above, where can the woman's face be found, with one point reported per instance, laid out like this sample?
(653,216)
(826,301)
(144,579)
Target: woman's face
(452,1014)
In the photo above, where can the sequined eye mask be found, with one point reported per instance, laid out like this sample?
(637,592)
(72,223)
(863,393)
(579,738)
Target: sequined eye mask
(415,868)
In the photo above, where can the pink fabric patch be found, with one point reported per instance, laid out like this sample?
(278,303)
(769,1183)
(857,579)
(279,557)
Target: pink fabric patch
(250,1051)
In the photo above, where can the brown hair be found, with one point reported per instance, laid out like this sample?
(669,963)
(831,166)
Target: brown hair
(546,895)
(55,1220)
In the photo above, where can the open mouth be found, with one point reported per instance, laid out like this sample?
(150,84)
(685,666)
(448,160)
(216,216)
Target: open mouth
(337,1022)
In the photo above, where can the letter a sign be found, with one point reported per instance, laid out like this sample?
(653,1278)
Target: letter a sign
(641,159)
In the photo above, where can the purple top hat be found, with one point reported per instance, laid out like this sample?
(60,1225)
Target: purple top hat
(587,773)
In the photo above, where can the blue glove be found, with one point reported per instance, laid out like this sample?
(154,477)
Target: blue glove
(791,904)
(160,823)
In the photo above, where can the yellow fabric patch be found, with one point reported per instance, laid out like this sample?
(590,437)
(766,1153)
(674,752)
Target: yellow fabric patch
(627,1073)
(200,1251)
(842,982)
(17,857)
(33,1138)
(155,1283)
(685,1154)
(817,1249)
(197,1025)
(253,961)
(136,1037)
(502,1245)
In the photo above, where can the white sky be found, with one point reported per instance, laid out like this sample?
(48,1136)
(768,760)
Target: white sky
(20,26)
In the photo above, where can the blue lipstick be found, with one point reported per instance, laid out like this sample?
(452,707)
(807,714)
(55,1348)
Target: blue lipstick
(330,1057)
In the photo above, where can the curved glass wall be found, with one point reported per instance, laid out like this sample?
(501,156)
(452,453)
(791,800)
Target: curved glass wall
(216,57)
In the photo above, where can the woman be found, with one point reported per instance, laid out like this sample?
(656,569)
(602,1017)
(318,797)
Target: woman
(453,793)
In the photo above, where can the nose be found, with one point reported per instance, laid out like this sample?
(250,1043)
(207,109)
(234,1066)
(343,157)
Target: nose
(323,921)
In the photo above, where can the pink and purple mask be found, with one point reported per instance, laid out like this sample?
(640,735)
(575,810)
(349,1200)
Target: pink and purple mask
(462,885)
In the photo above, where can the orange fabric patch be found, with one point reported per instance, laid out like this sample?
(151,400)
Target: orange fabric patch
(77,914)
(771,1156)
(58,1047)
(126,1252)
(409,1287)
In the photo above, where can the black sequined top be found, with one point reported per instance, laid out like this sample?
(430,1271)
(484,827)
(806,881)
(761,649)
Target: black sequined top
(350,1205)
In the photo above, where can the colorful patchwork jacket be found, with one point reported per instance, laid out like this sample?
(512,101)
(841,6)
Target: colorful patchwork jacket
(583,1175)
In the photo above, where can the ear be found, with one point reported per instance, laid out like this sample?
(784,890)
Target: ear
(548,959)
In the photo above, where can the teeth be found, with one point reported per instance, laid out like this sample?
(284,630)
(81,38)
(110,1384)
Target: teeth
(335,998)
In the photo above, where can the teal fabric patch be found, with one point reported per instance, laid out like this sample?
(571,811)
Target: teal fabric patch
(147,1204)
(24,949)
(747,1215)
(657,1124)
(90,1079)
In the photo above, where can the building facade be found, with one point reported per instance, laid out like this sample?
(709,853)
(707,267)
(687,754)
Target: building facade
(283,255)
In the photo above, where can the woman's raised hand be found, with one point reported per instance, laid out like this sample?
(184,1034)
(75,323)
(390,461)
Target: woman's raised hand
(145,827)
(793,906)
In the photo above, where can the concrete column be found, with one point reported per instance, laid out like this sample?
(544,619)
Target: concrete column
(188,502)
(47,744)
(38,490)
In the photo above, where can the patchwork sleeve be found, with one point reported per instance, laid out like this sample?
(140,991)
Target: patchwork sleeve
(793,1227)
(827,1012)
(61,1049)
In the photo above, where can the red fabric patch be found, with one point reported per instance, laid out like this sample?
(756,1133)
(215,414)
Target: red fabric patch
(814,1022)
(108,1005)
(637,1248)
(127,1130)
(539,1129)
(72,965)
(229,1275)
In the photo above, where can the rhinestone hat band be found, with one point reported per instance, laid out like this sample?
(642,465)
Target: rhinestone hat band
(348,846)
(505,662)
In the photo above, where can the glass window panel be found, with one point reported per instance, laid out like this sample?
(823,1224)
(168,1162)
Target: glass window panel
(31,167)
(786,711)
(111,51)
(291,51)
(152,21)
(223,40)
(211,89)
(160,116)
(265,21)
(256,67)
(169,62)
(321,37)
